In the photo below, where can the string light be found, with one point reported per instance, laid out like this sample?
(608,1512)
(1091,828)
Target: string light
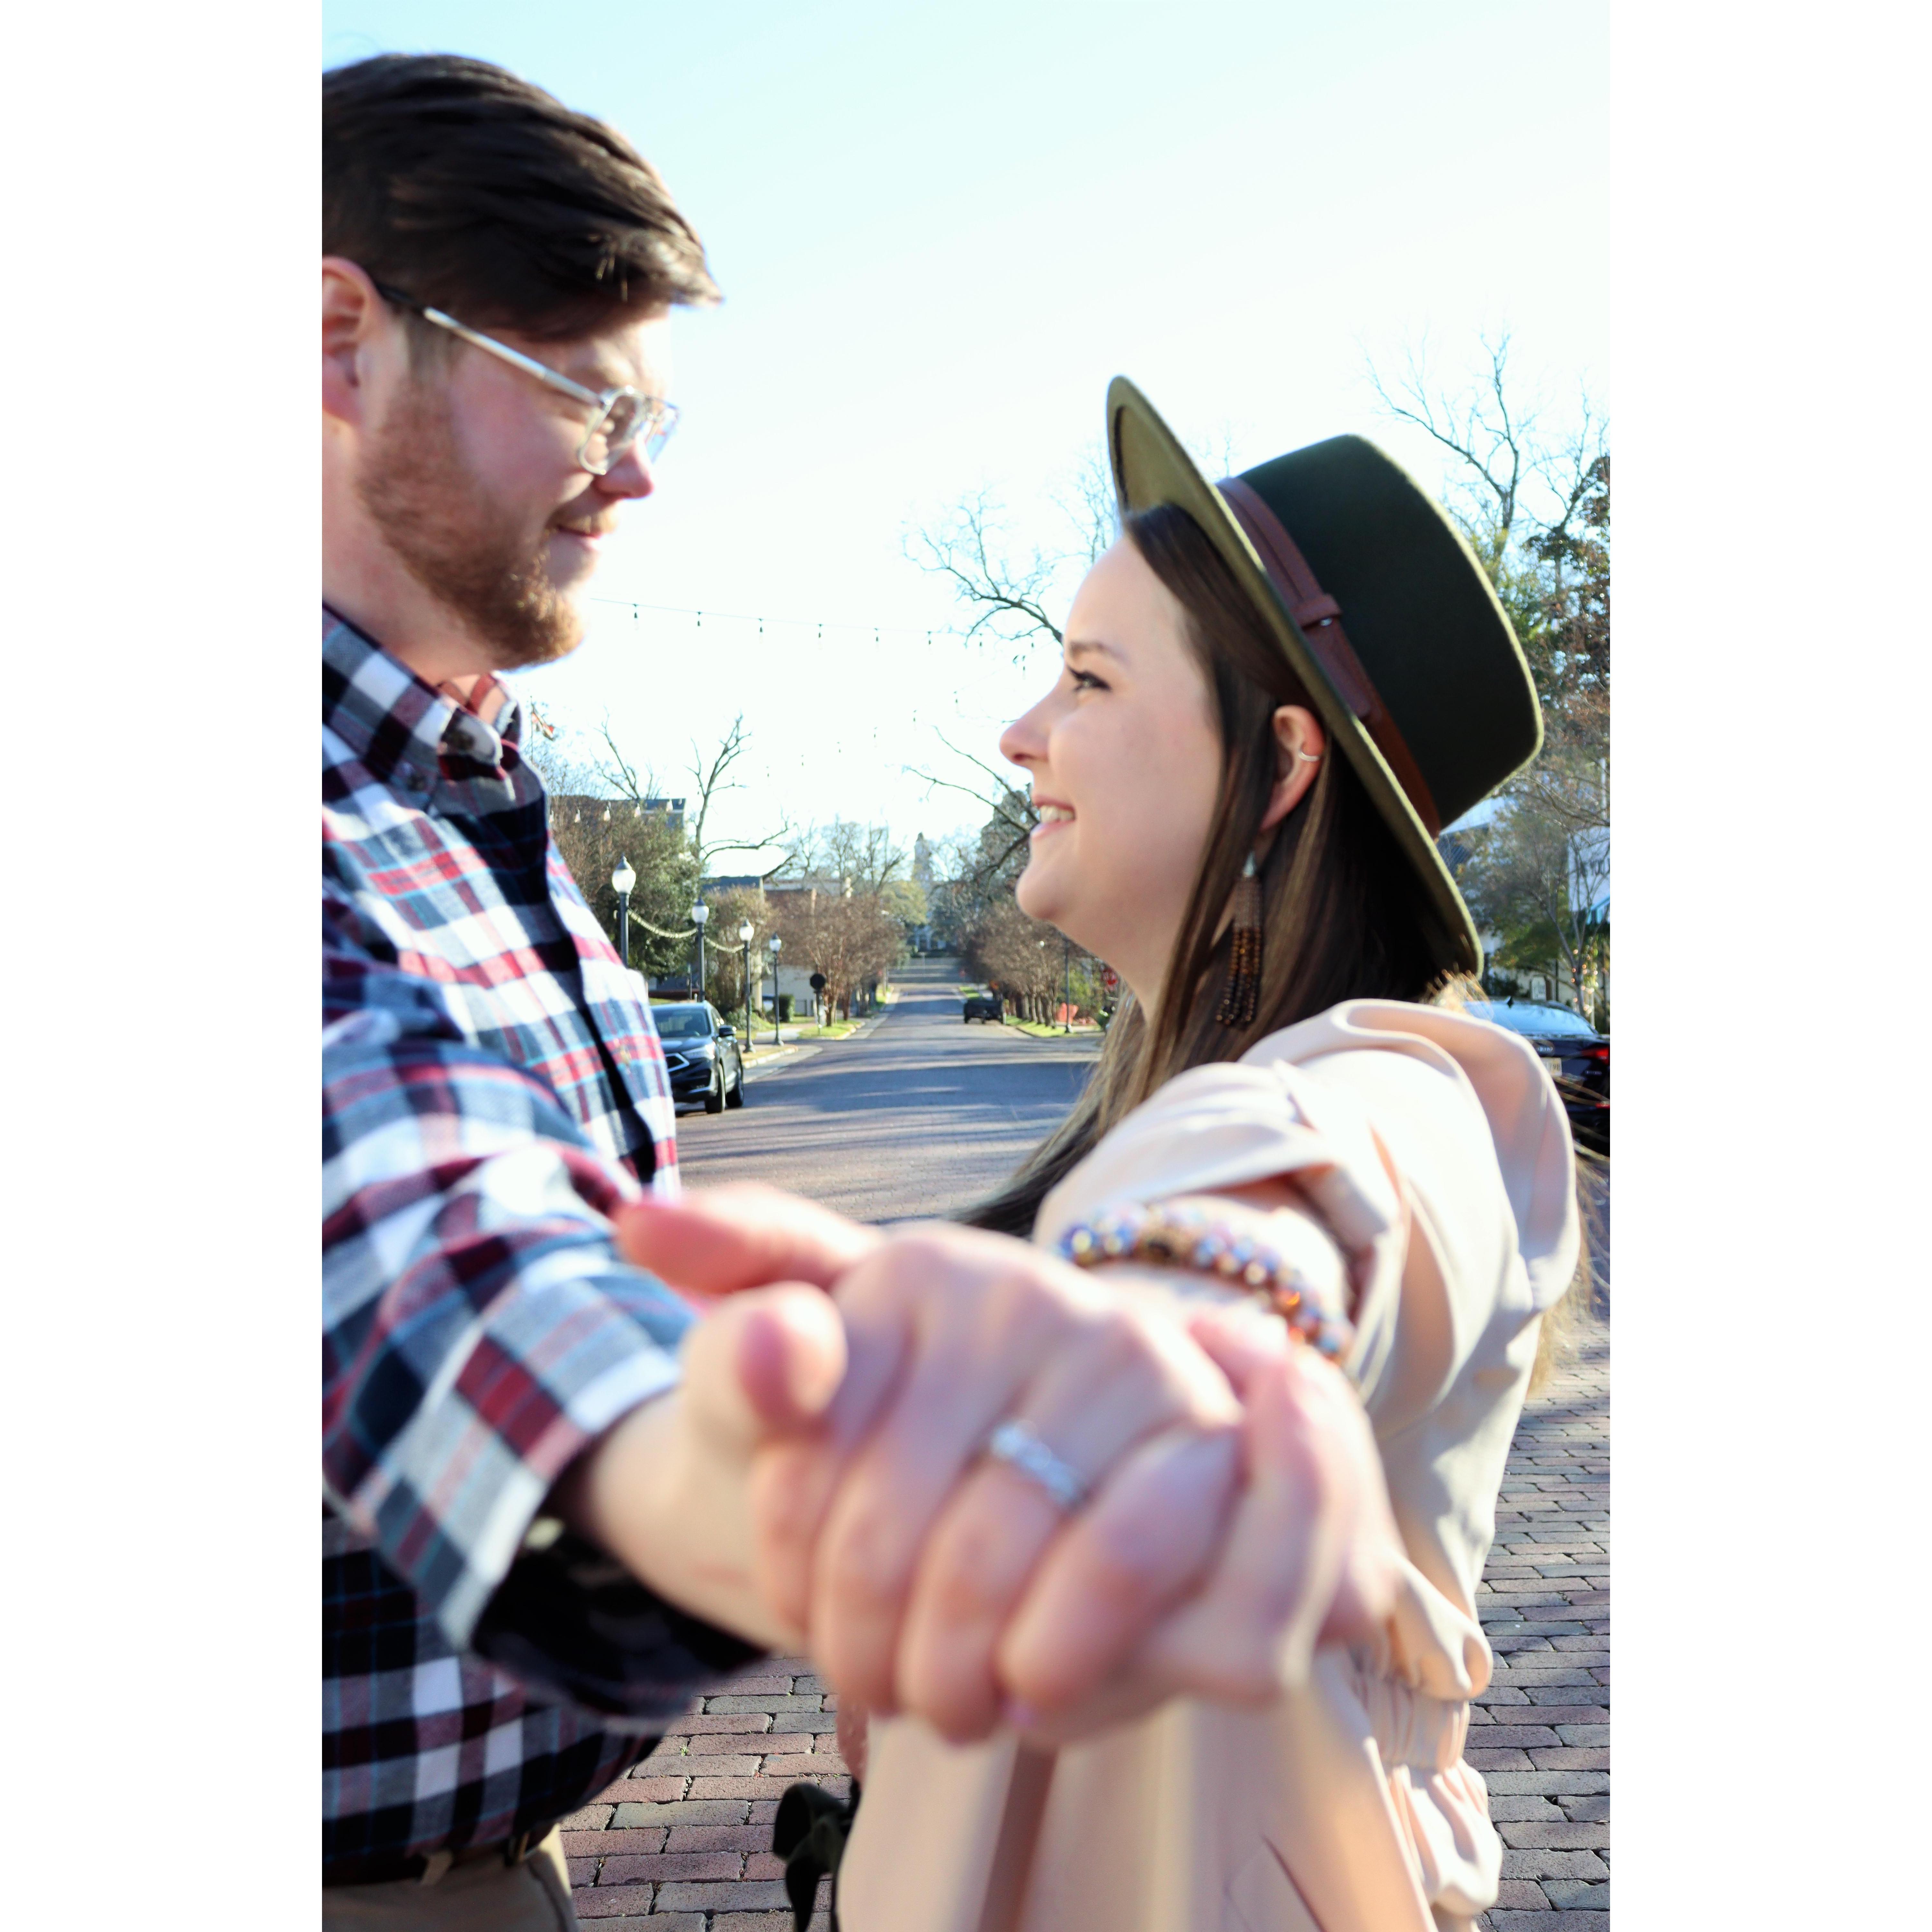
(820,624)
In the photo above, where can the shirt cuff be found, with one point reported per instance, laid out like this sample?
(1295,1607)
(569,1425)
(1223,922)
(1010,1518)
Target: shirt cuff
(572,1621)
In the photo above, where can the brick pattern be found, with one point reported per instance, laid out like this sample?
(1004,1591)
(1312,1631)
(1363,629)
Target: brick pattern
(1540,1734)
(680,1843)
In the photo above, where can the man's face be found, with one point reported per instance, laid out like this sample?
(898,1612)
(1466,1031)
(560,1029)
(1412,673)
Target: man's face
(471,477)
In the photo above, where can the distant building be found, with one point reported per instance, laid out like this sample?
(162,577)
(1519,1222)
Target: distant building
(812,883)
(565,806)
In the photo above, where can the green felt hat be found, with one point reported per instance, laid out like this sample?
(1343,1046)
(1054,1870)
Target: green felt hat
(1383,612)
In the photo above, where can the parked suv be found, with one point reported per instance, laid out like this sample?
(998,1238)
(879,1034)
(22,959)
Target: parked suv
(985,1006)
(700,1054)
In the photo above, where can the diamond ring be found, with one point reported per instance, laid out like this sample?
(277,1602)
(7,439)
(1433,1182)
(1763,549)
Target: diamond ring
(1014,1444)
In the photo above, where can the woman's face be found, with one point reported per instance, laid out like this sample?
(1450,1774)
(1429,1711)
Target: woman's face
(1125,757)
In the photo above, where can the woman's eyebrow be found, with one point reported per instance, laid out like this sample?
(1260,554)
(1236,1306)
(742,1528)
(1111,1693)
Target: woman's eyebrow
(1076,646)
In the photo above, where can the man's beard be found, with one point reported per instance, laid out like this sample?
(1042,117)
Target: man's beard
(463,547)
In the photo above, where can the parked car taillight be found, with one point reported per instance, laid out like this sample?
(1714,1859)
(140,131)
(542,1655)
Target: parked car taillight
(1596,1053)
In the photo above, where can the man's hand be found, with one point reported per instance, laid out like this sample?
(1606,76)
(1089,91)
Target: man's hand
(667,1490)
(926,1578)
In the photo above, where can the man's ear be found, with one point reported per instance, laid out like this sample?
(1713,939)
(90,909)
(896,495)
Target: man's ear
(353,314)
(1299,745)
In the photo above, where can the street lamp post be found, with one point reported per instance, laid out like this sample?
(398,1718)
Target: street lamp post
(699,913)
(776,945)
(1067,988)
(622,880)
(744,936)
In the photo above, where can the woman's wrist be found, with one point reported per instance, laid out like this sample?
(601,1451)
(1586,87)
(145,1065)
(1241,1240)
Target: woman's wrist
(1276,1256)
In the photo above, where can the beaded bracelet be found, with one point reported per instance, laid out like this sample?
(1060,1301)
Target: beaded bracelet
(1187,1237)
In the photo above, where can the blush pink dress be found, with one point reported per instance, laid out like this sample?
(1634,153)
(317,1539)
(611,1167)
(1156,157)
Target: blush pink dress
(1438,1152)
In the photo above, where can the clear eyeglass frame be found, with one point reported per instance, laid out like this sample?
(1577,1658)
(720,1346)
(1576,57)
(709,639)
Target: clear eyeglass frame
(622,416)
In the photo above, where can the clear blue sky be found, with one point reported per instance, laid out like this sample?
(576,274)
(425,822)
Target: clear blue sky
(940,233)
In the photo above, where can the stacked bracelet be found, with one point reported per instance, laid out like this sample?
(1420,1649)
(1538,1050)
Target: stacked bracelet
(1187,1237)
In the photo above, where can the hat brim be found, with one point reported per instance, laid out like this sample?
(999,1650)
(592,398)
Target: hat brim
(1151,468)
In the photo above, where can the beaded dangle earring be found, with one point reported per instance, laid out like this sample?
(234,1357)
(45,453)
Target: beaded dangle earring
(1242,1000)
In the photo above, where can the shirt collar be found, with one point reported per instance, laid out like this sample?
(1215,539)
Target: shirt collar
(397,725)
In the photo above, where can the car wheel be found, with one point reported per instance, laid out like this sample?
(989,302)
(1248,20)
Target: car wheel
(714,1094)
(736,1098)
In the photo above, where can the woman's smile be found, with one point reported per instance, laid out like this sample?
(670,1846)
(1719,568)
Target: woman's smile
(1130,725)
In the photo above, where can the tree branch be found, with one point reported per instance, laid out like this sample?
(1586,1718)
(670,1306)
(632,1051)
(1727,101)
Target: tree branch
(960,549)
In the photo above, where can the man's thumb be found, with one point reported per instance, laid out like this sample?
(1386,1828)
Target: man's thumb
(764,1363)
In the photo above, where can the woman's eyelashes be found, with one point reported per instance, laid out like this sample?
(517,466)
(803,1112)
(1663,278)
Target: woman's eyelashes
(1085,680)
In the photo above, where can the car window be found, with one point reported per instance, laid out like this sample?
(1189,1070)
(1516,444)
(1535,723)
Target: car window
(682,1022)
(1535,1017)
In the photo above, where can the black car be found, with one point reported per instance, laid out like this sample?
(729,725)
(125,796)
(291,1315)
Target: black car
(985,1006)
(1577,1056)
(701,1055)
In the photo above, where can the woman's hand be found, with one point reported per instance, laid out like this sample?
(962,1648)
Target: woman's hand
(926,1578)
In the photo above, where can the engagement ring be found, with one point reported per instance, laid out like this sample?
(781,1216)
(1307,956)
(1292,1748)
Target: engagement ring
(1014,1444)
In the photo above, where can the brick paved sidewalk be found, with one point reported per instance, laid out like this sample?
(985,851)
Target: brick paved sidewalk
(1540,1734)
(681,1844)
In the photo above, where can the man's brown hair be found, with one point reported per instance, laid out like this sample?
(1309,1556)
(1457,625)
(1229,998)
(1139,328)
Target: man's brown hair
(475,192)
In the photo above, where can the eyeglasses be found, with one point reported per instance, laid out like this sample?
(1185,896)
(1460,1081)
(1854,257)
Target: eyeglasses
(623,416)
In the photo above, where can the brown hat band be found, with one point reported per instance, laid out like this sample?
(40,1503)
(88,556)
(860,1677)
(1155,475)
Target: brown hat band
(1318,617)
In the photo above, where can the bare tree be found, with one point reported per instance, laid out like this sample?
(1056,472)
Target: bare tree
(862,857)
(1482,423)
(709,781)
(1013,816)
(1518,487)
(605,807)
(1532,494)
(1007,591)
(1029,964)
(1088,502)
(1012,590)
(1570,780)
(854,941)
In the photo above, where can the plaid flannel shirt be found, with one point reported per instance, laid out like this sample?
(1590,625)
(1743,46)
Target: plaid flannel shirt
(493,1087)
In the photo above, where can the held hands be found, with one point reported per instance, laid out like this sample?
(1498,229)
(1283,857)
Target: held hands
(1233,1516)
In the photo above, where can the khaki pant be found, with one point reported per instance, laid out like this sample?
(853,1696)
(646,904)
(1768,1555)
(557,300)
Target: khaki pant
(482,1895)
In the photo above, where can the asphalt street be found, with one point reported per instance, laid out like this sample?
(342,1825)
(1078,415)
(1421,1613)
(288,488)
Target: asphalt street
(923,1114)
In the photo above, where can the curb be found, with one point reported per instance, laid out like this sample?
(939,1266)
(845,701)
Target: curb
(1013,1030)
(792,1050)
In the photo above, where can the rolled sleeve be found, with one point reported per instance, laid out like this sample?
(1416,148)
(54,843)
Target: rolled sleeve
(1432,1145)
